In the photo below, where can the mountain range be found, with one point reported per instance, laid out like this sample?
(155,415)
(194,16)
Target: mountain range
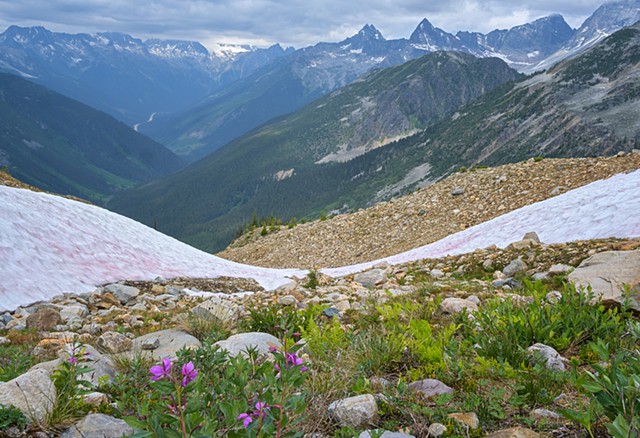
(61,145)
(583,107)
(194,100)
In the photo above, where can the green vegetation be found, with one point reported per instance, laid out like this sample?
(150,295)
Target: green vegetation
(380,349)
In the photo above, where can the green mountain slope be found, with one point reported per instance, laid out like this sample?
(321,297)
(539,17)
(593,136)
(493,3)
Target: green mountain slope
(61,145)
(296,165)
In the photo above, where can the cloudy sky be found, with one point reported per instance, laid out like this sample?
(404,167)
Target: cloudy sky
(289,22)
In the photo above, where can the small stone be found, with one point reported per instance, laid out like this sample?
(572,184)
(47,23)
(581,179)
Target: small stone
(430,387)
(560,268)
(544,413)
(343,306)
(457,191)
(510,283)
(114,342)
(98,425)
(385,434)
(437,429)
(287,300)
(95,398)
(531,235)
(123,293)
(331,312)
(358,411)
(554,296)
(239,343)
(514,432)
(371,278)
(453,305)
(436,274)
(516,266)
(548,355)
(469,418)
(4,340)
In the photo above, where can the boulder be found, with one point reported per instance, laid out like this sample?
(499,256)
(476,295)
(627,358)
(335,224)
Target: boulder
(169,342)
(437,429)
(607,273)
(44,319)
(33,393)
(73,311)
(224,311)
(516,266)
(358,411)
(239,343)
(371,278)
(114,342)
(123,293)
(98,425)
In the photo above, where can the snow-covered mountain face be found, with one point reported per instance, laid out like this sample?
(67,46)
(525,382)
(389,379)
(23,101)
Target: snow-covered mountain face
(51,245)
(125,76)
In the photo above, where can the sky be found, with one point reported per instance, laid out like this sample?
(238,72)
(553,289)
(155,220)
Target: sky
(294,23)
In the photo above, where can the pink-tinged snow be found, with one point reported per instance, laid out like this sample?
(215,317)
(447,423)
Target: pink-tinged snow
(50,245)
(607,208)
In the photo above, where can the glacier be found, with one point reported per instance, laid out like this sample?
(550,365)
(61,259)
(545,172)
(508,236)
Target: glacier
(51,245)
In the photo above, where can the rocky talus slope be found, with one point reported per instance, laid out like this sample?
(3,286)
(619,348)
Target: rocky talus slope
(462,200)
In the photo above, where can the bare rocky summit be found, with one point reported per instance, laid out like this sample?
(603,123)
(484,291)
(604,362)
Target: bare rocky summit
(460,201)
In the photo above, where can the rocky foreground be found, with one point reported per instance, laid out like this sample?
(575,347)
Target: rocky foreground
(458,202)
(150,319)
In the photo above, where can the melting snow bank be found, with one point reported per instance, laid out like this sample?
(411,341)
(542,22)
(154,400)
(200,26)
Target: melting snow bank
(606,208)
(50,245)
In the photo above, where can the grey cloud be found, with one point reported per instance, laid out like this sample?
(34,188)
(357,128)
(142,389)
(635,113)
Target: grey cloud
(291,22)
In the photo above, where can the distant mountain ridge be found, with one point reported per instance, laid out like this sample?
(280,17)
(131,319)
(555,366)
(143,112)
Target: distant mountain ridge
(124,76)
(584,107)
(61,145)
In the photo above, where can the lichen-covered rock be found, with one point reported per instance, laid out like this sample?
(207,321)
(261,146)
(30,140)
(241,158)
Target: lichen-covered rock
(33,393)
(98,425)
(239,343)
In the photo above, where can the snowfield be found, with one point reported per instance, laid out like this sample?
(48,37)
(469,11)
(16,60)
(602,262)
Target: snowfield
(50,245)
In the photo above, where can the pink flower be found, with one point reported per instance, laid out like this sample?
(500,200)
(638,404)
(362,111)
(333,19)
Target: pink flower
(189,372)
(73,360)
(246,419)
(161,371)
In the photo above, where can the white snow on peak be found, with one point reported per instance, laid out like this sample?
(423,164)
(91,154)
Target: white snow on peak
(50,245)
(228,50)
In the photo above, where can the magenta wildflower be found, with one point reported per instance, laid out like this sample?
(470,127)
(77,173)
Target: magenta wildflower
(73,360)
(246,419)
(161,371)
(189,372)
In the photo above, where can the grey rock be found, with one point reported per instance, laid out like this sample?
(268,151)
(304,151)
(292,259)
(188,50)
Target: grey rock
(550,358)
(531,235)
(98,426)
(239,343)
(554,296)
(222,310)
(33,393)
(170,340)
(150,344)
(4,340)
(95,398)
(436,274)
(560,268)
(430,387)
(287,300)
(608,273)
(516,266)
(514,432)
(371,278)
(453,305)
(457,191)
(358,411)
(437,429)
(385,434)
(73,311)
(123,293)
(114,342)
(544,413)
(509,282)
